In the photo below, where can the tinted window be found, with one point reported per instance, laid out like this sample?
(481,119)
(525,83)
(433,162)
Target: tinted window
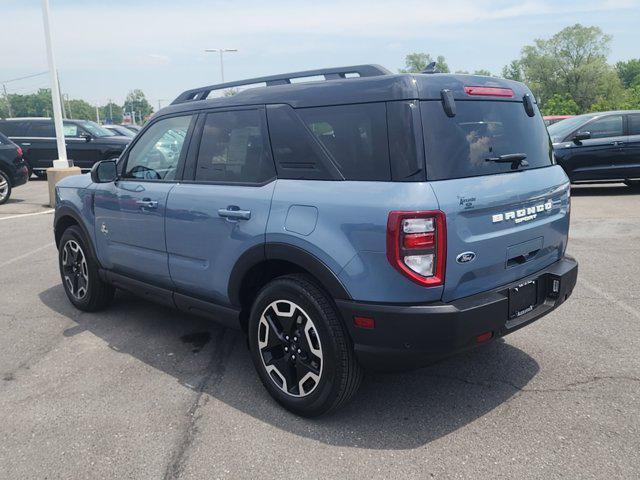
(559,131)
(405,141)
(610,126)
(459,146)
(14,129)
(71,130)
(297,154)
(634,124)
(42,129)
(156,154)
(3,140)
(355,136)
(234,149)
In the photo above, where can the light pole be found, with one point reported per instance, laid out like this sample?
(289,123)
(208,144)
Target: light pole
(222,51)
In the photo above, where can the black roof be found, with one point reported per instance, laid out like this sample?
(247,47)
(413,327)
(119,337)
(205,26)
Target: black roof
(376,85)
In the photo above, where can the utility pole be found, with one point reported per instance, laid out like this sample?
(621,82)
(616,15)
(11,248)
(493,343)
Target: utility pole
(97,114)
(160,100)
(221,51)
(6,99)
(110,111)
(62,161)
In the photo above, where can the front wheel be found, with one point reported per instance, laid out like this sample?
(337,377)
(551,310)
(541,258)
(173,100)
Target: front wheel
(5,188)
(300,348)
(79,272)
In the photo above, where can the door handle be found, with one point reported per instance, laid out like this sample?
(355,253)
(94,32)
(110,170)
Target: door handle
(617,143)
(234,212)
(147,203)
(26,144)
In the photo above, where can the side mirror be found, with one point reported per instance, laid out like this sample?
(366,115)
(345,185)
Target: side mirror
(104,172)
(87,136)
(578,137)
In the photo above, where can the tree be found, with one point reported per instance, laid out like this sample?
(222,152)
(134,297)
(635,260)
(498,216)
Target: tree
(573,62)
(561,105)
(629,72)
(486,73)
(417,62)
(111,112)
(80,110)
(513,71)
(137,102)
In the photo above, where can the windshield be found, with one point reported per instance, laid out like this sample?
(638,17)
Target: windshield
(96,130)
(125,132)
(473,141)
(559,131)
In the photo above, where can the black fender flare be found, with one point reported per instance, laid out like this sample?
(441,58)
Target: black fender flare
(289,253)
(66,211)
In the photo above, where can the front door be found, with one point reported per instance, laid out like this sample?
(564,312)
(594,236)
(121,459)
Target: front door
(223,211)
(130,213)
(599,157)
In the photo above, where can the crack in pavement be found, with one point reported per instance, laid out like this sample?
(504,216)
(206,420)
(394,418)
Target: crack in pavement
(216,369)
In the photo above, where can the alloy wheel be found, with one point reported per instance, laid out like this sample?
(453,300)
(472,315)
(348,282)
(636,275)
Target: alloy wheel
(290,348)
(75,270)
(4,187)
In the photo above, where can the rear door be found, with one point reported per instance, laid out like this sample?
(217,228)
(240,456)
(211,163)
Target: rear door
(40,148)
(222,211)
(503,221)
(632,147)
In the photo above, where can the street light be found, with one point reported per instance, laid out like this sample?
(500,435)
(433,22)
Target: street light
(222,51)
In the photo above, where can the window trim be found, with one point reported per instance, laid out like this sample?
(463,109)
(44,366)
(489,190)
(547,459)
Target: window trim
(124,159)
(191,163)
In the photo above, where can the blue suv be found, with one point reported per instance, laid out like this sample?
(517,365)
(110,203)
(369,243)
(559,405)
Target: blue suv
(370,220)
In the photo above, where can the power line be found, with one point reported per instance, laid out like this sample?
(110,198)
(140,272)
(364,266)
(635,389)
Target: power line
(25,77)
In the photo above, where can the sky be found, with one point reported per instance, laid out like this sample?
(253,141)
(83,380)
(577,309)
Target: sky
(104,48)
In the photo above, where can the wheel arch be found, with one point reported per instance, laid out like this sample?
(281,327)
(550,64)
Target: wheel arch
(66,217)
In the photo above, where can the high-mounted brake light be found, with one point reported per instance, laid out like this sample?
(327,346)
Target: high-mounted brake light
(489,91)
(416,245)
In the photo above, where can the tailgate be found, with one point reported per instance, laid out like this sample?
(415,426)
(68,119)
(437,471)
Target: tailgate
(502,227)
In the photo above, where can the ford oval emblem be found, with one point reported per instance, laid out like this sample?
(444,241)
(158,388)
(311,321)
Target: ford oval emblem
(466,257)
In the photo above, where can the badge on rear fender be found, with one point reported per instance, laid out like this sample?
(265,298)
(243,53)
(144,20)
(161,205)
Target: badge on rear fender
(466,257)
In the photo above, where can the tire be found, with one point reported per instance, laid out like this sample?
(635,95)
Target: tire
(325,357)
(632,183)
(5,187)
(79,273)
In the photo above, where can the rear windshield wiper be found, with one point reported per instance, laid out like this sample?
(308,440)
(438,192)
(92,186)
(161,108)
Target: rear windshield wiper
(515,159)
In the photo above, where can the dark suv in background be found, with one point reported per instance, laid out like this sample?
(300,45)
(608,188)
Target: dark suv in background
(599,147)
(13,170)
(87,142)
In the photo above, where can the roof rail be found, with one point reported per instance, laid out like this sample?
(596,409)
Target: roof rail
(283,79)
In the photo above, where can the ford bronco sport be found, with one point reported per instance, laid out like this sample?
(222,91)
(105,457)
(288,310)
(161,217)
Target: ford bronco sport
(370,220)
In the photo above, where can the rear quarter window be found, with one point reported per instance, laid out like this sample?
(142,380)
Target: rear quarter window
(459,146)
(14,128)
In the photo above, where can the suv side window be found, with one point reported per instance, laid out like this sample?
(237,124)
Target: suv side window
(355,136)
(71,130)
(42,129)
(156,154)
(634,124)
(610,126)
(14,128)
(233,149)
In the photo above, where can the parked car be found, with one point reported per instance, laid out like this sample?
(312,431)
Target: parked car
(13,169)
(551,119)
(120,130)
(133,128)
(87,142)
(599,147)
(329,237)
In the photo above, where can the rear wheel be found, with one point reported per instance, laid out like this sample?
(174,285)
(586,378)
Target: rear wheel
(79,272)
(5,188)
(300,348)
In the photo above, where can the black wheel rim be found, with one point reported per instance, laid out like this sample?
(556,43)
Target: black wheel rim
(290,348)
(74,270)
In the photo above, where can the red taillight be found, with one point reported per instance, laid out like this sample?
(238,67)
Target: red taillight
(416,245)
(489,91)
(19,151)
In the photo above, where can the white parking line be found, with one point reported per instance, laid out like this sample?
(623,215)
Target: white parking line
(27,215)
(26,255)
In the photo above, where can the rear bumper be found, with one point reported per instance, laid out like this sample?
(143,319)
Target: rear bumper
(411,336)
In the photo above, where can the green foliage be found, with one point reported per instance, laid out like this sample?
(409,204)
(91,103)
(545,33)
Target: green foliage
(80,110)
(513,71)
(417,62)
(486,73)
(561,105)
(137,102)
(629,72)
(32,105)
(111,112)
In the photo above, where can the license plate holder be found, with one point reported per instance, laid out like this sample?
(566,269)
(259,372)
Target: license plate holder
(523,298)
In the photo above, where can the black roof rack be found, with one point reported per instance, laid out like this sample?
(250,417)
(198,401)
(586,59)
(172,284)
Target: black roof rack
(283,79)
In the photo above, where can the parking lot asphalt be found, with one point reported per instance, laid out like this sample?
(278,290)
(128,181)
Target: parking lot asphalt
(140,391)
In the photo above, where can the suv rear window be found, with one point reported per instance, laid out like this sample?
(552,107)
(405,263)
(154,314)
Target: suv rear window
(458,147)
